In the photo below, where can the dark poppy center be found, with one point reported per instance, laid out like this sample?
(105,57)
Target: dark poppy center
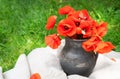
(77,23)
(66,28)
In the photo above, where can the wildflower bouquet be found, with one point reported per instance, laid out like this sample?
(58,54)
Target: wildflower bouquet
(78,25)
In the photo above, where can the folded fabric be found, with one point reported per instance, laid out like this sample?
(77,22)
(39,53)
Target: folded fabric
(42,61)
(113,54)
(20,71)
(106,68)
(110,72)
(75,76)
(1,76)
(102,62)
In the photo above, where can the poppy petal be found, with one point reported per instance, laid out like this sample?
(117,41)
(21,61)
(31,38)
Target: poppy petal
(66,27)
(53,41)
(51,22)
(102,29)
(104,47)
(35,76)
(91,44)
(79,30)
(65,10)
(84,14)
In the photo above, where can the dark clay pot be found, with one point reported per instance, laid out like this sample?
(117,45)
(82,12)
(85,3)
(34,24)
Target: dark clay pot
(75,60)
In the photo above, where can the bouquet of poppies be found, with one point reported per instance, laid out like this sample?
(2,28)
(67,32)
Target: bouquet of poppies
(78,25)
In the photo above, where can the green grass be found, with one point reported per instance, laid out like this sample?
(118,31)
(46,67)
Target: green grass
(22,24)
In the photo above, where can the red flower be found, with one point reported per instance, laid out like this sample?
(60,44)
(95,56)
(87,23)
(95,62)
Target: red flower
(104,47)
(51,22)
(53,41)
(80,15)
(91,44)
(88,32)
(102,29)
(35,76)
(66,27)
(84,15)
(65,10)
(82,21)
(87,28)
(99,29)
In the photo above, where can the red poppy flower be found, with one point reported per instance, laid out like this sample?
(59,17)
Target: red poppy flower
(91,44)
(80,15)
(35,76)
(84,15)
(102,29)
(51,22)
(94,24)
(82,21)
(87,28)
(75,15)
(66,27)
(87,32)
(77,24)
(104,47)
(53,41)
(65,10)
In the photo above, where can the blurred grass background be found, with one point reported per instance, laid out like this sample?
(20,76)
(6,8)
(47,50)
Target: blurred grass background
(22,24)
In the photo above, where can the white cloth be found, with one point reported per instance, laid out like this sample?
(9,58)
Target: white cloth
(1,76)
(106,68)
(20,71)
(75,76)
(42,61)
